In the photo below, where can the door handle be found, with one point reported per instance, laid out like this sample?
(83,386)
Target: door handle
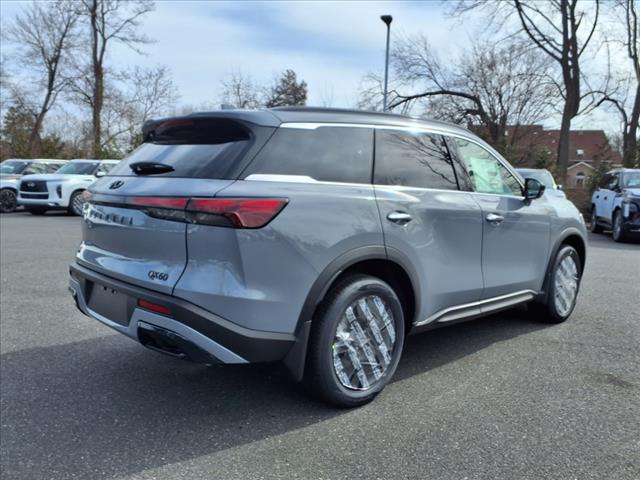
(401,218)
(494,218)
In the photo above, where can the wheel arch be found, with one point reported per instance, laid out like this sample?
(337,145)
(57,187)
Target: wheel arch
(574,238)
(388,264)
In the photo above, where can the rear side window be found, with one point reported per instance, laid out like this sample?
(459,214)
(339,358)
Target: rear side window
(193,147)
(53,167)
(328,154)
(413,160)
(105,167)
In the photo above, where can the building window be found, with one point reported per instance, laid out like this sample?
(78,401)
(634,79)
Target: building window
(580,152)
(580,179)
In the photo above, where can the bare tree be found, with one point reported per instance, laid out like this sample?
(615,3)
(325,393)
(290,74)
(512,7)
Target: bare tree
(240,90)
(146,93)
(493,87)
(562,31)
(109,21)
(44,34)
(627,103)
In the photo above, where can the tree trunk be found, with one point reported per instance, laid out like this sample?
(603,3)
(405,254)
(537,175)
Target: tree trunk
(630,153)
(563,145)
(98,83)
(34,137)
(98,96)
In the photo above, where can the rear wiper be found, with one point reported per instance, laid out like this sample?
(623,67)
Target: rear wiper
(150,168)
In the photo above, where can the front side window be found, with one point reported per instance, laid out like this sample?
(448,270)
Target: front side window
(613,181)
(79,168)
(487,173)
(328,154)
(413,159)
(631,180)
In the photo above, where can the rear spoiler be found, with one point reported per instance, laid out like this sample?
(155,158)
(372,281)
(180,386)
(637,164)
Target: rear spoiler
(256,117)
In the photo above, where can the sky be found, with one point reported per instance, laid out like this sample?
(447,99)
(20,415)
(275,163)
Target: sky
(331,45)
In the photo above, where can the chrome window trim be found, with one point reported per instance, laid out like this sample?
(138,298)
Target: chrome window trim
(414,129)
(471,309)
(303,179)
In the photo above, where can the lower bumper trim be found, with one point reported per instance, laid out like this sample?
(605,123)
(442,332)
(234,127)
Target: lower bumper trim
(192,330)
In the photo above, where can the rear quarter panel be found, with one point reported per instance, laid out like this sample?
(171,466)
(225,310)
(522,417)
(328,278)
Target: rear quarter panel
(260,278)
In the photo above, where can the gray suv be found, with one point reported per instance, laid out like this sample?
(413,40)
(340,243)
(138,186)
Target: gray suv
(320,238)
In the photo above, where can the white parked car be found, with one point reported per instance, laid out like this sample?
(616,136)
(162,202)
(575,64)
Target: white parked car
(61,190)
(13,169)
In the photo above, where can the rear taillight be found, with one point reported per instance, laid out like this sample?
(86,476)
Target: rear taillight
(223,211)
(241,212)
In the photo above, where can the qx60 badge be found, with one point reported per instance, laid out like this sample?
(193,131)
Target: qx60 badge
(153,275)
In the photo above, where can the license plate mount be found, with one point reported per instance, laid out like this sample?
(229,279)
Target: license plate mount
(109,303)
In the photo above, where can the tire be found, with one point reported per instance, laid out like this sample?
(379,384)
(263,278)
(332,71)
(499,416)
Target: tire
(563,289)
(618,233)
(334,340)
(36,210)
(76,203)
(8,200)
(595,228)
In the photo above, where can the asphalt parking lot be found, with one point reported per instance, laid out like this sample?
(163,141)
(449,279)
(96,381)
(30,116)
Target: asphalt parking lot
(499,397)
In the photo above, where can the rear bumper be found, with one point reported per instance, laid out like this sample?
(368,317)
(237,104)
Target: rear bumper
(190,332)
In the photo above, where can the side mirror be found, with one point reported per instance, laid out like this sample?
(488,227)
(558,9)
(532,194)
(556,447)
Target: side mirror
(533,189)
(99,174)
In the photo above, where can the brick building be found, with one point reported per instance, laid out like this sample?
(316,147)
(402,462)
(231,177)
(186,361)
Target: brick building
(532,144)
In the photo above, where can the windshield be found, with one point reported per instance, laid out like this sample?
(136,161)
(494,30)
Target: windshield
(631,180)
(79,168)
(542,176)
(13,167)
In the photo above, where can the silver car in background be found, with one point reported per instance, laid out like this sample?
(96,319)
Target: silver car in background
(317,237)
(13,169)
(545,177)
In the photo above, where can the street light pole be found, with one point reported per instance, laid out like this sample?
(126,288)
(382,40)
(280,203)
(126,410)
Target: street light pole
(387,20)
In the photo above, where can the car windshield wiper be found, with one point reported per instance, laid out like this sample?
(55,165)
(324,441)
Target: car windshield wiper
(150,168)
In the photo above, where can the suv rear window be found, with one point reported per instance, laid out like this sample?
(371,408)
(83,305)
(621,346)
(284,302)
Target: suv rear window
(327,154)
(194,147)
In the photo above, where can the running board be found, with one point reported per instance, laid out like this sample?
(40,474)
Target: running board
(481,307)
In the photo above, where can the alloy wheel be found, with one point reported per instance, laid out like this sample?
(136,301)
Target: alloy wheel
(77,204)
(617,226)
(364,343)
(8,201)
(566,285)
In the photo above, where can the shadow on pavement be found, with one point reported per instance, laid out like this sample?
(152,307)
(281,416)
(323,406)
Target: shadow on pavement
(106,407)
